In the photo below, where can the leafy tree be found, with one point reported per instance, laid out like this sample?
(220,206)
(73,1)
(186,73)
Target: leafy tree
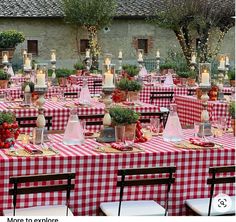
(201,21)
(92,15)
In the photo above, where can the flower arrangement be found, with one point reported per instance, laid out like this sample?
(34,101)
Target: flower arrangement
(11,38)
(123,116)
(9,130)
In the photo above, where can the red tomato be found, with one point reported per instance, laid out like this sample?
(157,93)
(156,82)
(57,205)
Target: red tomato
(5,125)
(7,145)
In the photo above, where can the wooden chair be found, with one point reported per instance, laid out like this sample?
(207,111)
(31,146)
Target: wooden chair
(165,96)
(141,207)
(191,92)
(163,116)
(49,210)
(71,94)
(227,93)
(30,121)
(203,206)
(96,83)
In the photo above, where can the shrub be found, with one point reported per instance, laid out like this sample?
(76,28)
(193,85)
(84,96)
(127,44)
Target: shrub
(11,38)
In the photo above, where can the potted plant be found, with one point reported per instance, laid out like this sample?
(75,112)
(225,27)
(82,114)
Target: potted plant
(231,74)
(130,71)
(9,40)
(9,130)
(187,77)
(124,120)
(130,87)
(62,76)
(79,67)
(4,79)
(167,67)
(232,114)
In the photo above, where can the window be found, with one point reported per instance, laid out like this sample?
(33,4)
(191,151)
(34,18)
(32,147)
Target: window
(32,47)
(143,44)
(84,44)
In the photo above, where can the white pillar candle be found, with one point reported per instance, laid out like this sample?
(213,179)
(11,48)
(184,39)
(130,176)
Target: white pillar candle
(41,79)
(193,59)
(205,78)
(120,55)
(53,57)
(108,80)
(5,58)
(27,63)
(140,57)
(158,54)
(222,63)
(227,60)
(87,54)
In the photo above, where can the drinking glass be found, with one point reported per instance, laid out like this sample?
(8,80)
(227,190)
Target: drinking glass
(120,133)
(155,125)
(222,124)
(196,128)
(130,134)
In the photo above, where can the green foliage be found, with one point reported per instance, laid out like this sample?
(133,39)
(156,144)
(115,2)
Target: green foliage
(8,117)
(123,116)
(79,66)
(232,109)
(64,73)
(129,85)
(131,70)
(90,12)
(231,74)
(11,38)
(31,85)
(167,65)
(3,75)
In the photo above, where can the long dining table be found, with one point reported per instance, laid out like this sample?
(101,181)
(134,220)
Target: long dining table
(96,172)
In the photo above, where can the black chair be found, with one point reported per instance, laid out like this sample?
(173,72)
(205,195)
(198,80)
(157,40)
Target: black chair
(203,206)
(191,92)
(27,188)
(71,94)
(164,96)
(30,121)
(92,120)
(163,116)
(227,93)
(141,207)
(96,83)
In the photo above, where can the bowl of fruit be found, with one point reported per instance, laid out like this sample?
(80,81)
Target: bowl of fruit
(9,130)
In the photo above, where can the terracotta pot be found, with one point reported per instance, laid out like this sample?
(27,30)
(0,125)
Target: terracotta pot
(233,125)
(130,130)
(3,84)
(191,82)
(183,81)
(63,82)
(79,72)
(133,96)
(232,83)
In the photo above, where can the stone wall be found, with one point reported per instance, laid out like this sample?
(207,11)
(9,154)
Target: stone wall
(55,34)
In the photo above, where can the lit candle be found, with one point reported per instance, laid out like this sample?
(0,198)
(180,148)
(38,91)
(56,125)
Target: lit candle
(107,61)
(222,63)
(140,57)
(5,58)
(158,54)
(27,63)
(53,57)
(120,55)
(87,54)
(193,59)
(227,60)
(205,78)
(108,80)
(41,79)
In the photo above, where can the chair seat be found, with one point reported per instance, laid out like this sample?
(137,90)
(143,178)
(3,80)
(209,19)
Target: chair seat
(133,208)
(51,210)
(200,206)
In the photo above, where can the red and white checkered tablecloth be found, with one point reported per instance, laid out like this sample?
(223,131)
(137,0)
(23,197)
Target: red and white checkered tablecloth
(60,111)
(190,109)
(96,173)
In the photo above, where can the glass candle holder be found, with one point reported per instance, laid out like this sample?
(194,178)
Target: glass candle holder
(41,75)
(5,56)
(204,74)
(108,80)
(53,55)
(28,61)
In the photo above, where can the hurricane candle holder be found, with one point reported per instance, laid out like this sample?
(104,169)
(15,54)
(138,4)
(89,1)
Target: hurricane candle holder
(41,75)
(87,59)
(108,78)
(5,61)
(140,58)
(53,63)
(193,61)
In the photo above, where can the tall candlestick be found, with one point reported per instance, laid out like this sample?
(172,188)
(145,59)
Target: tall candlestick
(222,63)
(87,54)
(140,57)
(193,59)
(158,54)
(120,55)
(227,60)
(53,57)
(205,78)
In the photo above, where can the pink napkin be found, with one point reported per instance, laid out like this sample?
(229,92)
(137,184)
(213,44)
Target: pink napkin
(143,72)
(169,80)
(121,147)
(199,142)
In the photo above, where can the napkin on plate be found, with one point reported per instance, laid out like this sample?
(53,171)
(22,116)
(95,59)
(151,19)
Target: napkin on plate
(32,150)
(121,147)
(202,143)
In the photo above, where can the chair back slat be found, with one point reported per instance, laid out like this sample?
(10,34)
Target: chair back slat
(41,189)
(41,177)
(146,182)
(222,169)
(153,170)
(221,180)
(69,94)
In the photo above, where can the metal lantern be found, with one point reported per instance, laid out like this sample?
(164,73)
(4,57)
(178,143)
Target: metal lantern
(204,74)
(41,75)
